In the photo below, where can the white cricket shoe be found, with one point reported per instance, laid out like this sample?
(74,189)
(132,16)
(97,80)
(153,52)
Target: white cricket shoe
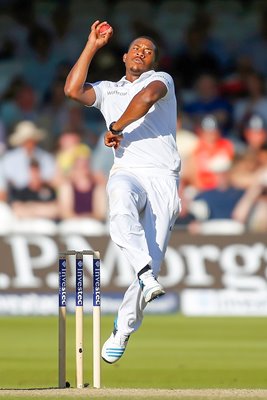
(114,347)
(150,286)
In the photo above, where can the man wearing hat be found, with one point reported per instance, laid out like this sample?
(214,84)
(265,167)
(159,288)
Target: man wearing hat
(211,145)
(255,134)
(15,163)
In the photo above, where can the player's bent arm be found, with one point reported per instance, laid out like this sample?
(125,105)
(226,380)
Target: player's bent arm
(75,86)
(85,95)
(141,104)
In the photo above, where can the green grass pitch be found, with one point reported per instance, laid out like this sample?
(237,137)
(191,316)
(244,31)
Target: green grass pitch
(169,351)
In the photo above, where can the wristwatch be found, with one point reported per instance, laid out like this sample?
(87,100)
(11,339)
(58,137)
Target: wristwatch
(113,130)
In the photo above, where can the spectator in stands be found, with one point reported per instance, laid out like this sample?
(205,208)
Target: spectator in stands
(222,199)
(37,199)
(254,102)
(40,67)
(70,147)
(253,50)
(15,163)
(252,158)
(81,195)
(20,104)
(206,21)
(53,113)
(194,59)
(24,17)
(211,146)
(209,101)
(252,207)
(65,42)
(244,169)
(76,122)
(255,134)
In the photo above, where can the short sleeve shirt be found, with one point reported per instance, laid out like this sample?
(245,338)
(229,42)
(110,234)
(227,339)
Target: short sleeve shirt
(14,167)
(149,142)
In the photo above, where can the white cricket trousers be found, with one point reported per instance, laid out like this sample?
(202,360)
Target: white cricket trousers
(143,210)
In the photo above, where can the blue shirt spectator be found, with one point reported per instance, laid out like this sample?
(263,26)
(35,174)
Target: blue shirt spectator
(220,202)
(209,101)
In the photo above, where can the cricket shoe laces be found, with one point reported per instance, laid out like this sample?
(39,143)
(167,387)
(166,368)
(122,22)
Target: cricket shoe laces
(114,347)
(151,288)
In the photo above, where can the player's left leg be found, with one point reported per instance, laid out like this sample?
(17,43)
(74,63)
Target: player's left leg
(157,219)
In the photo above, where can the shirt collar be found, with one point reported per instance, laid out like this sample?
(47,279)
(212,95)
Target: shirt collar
(123,81)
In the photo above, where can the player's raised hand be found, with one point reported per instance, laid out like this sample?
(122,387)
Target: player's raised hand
(100,33)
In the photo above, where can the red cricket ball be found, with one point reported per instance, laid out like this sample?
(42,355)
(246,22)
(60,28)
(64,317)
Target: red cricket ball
(104,28)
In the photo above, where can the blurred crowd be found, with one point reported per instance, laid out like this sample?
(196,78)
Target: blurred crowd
(54,165)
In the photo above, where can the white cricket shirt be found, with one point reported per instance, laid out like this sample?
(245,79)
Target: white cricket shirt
(150,142)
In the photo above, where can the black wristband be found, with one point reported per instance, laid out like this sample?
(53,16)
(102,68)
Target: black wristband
(113,130)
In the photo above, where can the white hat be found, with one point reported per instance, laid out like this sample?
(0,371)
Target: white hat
(209,123)
(220,164)
(186,141)
(256,123)
(24,131)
